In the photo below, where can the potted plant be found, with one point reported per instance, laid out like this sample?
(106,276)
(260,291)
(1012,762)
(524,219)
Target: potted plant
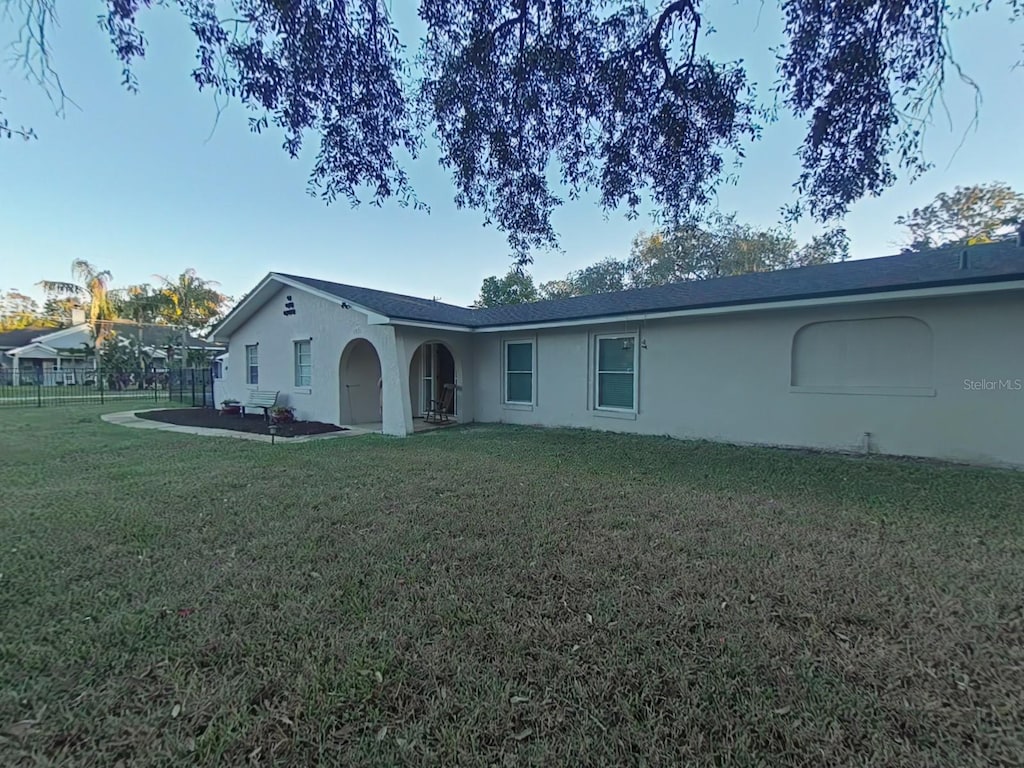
(282,414)
(230,407)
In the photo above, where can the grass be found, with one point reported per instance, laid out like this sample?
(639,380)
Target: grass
(499,596)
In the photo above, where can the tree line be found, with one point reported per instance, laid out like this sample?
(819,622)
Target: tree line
(186,301)
(720,246)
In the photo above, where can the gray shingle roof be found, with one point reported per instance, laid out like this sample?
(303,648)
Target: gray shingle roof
(160,336)
(21,337)
(992,262)
(152,336)
(392,304)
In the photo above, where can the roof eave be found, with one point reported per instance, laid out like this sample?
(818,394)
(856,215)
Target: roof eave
(1013,282)
(238,315)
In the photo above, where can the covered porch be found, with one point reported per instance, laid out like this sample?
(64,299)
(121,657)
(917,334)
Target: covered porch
(40,364)
(411,387)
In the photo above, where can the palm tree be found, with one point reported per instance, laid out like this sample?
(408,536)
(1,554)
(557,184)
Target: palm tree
(191,303)
(141,305)
(93,287)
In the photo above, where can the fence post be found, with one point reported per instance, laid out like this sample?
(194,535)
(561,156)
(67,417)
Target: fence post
(39,394)
(99,382)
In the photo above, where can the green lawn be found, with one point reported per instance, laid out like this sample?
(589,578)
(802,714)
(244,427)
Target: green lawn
(499,596)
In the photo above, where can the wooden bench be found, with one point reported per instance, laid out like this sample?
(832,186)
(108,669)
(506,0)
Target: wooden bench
(261,398)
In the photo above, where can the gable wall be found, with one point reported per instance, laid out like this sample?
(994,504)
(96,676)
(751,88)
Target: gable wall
(330,328)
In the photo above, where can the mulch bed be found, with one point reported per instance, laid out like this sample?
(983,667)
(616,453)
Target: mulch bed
(210,418)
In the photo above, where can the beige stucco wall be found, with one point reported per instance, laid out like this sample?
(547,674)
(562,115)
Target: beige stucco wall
(331,328)
(729,378)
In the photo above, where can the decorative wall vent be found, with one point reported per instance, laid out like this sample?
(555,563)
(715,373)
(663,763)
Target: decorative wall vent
(289,306)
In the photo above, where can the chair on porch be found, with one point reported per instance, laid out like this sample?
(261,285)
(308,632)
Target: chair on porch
(437,410)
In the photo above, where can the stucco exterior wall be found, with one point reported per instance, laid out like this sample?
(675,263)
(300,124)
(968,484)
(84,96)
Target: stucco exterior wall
(342,391)
(730,378)
(330,328)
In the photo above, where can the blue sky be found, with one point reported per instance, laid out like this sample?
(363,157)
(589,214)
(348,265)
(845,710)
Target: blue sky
(137,184)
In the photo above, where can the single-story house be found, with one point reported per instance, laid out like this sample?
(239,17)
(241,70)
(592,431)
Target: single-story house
(919,354)
(56,356)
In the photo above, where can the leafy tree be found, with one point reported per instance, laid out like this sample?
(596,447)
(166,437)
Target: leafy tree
(831,245)
(605,276)
(516,287)
(611,96)
(121,353)
(190,302)
(721,246)
(59,308)
(980,213)
(558,289)
(142,305)
(18,310)
(92,289)
(717,247)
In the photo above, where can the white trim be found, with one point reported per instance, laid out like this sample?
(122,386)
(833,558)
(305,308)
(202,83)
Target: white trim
(422,324)
(296,365)
(635,336)
(374,318)
(60,333)
(243,303)
(861,298)
(249,366)
(34,345)
(532,341)
(329,297)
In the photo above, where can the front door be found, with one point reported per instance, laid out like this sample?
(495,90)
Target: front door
(437,367)
(445,374)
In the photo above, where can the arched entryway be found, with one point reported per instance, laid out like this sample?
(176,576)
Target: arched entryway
(360,379)
(433,366)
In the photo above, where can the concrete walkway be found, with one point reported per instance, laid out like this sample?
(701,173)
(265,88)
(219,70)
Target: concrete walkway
(129,419)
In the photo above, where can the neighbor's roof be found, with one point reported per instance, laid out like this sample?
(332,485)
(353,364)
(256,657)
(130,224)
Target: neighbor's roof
(160,336)
(60,338)
(22,336)
(993,262)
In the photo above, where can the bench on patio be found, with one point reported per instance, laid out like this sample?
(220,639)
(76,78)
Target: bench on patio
(260,398)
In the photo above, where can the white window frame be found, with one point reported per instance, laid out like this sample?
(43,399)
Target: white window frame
(297,364)
(505,372)
(636,371)
(249,366)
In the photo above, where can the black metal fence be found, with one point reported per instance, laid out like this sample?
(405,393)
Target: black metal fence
(191,387)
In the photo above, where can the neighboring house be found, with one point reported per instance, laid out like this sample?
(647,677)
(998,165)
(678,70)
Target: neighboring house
(51,356)
(918,354)
(25,368)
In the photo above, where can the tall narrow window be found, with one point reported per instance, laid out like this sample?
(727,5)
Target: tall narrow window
(615,381)
(519,372)
(252,364)
(303,363)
